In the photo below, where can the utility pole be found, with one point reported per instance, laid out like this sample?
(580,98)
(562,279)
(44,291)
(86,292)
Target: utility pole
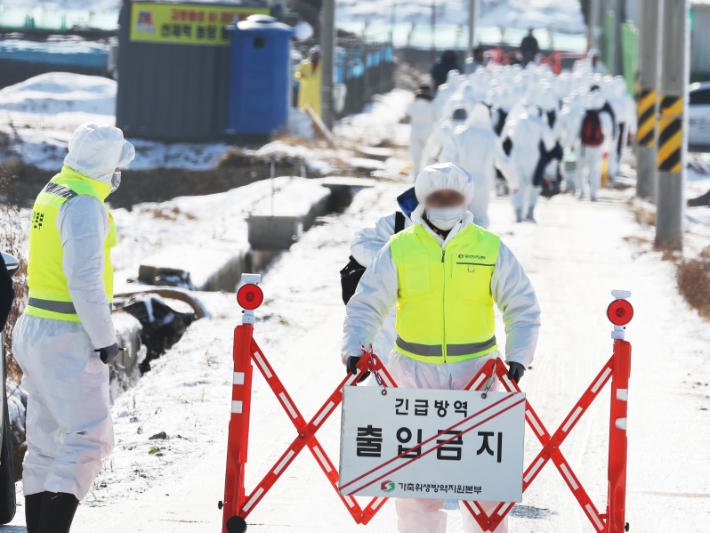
(433,31)
(648,58)
(619,20)
(672,142)
(471,27)
(327,47)
(593,27)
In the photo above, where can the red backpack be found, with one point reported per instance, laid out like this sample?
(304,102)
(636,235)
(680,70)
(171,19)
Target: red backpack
(592,129)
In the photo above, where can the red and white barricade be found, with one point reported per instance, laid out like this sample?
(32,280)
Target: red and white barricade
(238,504)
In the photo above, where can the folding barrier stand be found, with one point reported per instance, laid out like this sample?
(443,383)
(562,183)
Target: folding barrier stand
(237,504)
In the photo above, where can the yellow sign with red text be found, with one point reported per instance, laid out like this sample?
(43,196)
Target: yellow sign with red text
(186,23)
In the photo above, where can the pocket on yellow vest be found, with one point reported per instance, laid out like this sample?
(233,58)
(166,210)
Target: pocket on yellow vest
(473,281)
(416,271)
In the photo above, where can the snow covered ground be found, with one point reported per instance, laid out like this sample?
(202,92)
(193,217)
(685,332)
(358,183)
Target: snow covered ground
(575,255)
(201,234)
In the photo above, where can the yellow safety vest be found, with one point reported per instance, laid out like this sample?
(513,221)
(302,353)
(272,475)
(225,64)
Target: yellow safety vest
(49,294)
(445,305)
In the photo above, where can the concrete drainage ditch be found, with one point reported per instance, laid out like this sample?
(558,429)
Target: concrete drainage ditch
(147,326)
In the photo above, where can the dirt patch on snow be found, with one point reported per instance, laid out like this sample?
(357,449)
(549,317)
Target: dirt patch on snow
(693,277)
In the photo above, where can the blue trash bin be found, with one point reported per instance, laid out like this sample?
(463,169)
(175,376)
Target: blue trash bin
(259,76)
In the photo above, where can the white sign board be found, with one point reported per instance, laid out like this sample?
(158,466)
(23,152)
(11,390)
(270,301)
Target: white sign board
(436,444)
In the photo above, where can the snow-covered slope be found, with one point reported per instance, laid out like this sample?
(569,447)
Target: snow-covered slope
(565,16)
(61,92)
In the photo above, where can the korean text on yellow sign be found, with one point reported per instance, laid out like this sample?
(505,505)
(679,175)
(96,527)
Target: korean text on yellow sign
(185,23)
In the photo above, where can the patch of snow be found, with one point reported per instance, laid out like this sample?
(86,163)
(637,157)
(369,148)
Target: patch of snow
(193,156)
(380,120)
(61,92)
(279,149)
(201,234)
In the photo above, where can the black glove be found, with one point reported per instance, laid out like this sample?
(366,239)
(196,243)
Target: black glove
(353,369)
(109,353)
(516,372)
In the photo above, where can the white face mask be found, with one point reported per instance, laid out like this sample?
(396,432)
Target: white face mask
(115,181)
(445,218)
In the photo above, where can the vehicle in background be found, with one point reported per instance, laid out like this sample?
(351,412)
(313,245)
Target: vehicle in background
(699,117)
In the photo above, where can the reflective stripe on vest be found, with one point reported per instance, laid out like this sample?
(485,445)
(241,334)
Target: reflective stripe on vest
(426,350)
(65,308)
(445,305)
(49,293)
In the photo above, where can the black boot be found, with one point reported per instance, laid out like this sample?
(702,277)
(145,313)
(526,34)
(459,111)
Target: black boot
(33,508)
(58,510)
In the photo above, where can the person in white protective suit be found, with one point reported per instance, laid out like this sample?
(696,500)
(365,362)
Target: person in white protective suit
(446,91)
(463,97)
(65,339)
(624,108)
(422,118)
(476,148)
(365,246)
(435,143)
(480,82)
(443,339)
(571,116)
(523,140)
(596,133)
(503,101)
(592,63)
(549,104)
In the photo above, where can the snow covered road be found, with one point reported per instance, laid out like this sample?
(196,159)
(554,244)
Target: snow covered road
(575,256)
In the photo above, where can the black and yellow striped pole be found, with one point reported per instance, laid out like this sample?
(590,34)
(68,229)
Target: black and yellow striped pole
(646,98)
(646,106)
(670,134)
(671,140)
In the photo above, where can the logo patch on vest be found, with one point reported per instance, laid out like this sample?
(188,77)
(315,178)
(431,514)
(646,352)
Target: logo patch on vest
(465,256)
(37,219)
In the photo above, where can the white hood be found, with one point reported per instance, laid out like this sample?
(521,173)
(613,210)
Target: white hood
(443,176)
(96,150)
(453,78)
(480,116)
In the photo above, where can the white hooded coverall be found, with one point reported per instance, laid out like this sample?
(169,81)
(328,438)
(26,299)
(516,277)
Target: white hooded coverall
(435,143)
(624,108)
(364,247)
(69,428)
(377,293)
(526,133)
(476,148)
(592,157)
(422,114)
(446,91)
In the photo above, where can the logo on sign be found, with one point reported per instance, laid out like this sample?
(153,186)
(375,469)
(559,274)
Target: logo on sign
(145,22)
(387,486)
